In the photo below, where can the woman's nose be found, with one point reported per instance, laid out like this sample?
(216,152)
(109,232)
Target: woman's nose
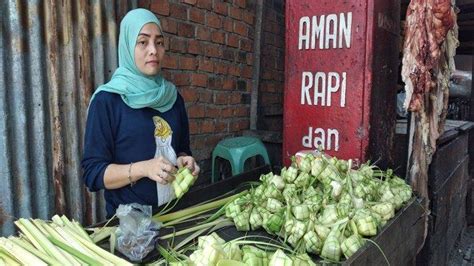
(153,49)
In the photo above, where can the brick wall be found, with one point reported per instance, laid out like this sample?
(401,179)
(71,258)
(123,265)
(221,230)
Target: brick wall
(270,107)
(209,56)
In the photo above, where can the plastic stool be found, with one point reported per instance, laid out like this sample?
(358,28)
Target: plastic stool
(237,151)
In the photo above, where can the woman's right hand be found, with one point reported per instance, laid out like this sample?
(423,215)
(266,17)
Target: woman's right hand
(160,170)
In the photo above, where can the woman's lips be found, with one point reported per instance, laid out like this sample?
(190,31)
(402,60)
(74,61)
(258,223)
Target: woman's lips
(153,62)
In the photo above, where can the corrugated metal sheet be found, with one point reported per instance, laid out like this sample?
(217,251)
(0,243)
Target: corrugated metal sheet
(53,55)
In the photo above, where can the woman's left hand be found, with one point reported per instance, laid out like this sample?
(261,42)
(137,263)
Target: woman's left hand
(189,162)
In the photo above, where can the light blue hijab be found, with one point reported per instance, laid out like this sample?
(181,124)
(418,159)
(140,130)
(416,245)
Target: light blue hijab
(138,90)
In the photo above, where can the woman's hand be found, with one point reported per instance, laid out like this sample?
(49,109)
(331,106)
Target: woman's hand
(160,170)
(189,162)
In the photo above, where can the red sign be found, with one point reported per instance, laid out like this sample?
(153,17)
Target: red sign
(328,77)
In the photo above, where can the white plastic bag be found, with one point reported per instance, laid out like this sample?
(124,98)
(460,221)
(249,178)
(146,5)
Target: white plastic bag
(137,232)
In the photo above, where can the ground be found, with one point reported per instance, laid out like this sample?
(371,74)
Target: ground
(463,251)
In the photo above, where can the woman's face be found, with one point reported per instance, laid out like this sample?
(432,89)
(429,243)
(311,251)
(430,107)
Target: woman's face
(149,50)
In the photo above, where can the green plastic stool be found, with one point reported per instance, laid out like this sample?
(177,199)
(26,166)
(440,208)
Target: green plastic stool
(237,151)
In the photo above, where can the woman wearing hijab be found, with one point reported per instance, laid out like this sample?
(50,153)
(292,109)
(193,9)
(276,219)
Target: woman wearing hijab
(137,129)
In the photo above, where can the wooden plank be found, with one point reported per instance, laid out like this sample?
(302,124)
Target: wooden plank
(470,202)
(445,160)
(400,239)
(447,216)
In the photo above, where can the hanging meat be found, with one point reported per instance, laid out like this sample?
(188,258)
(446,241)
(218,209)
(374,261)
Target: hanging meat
(428,59)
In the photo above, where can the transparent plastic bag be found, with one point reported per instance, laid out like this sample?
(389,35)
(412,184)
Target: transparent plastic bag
(137,232)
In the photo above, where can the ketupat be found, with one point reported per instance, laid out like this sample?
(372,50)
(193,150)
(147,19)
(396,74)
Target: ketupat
(330,192)
(183,181)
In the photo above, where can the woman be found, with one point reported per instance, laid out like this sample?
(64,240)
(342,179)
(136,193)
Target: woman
(137,129)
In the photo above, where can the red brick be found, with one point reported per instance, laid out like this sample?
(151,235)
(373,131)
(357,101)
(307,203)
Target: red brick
(228,84)
(215,82)
(234,126)
(269,15)
(246,45)
(235,98)
(227,112)
(241,85)
(233,40)
(167,75)
(169,25)
(240,3)
(234,70)
(206,4)
(185,29)
(206,65)
(207,126)
(144,4)
(160,7)
(235,12)
(222,98)
(190,2)
(170,61)
(167,43)
(197,15)
(268,38)
(248,17)
(181,79)
(218,37)
(270,98)
(275,28)
(189,94)
(228,54)
(194,47)
(241,111)
(244,124)
(212,140)
(220,68)
(249,59)
(196,111)
(213,20)
(242,57)
(228,24)
(199,80)
(249,86)
(267,87)
(213,112)
(267,27)
(240,28)
(203,33)
(221,127)
(267,74)
(187,63)
(178,11)
(177,45)
(199,141)
(247,72)
(193,126)
(239,125)
(200,154)
(205,96)
(220,8)
(213,50)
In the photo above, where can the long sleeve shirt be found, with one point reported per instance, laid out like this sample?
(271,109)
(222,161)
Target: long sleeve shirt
(118,134)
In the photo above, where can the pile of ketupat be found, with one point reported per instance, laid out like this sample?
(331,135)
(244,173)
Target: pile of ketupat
(213,250)
(322,205)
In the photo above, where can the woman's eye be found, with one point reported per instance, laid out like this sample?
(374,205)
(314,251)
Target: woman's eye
(160,43)
(142,43)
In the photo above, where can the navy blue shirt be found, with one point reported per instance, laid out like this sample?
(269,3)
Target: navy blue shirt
(118,134)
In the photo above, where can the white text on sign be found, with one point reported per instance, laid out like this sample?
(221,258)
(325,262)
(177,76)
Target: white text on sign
(321,138)
(332,31)
(322,85)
